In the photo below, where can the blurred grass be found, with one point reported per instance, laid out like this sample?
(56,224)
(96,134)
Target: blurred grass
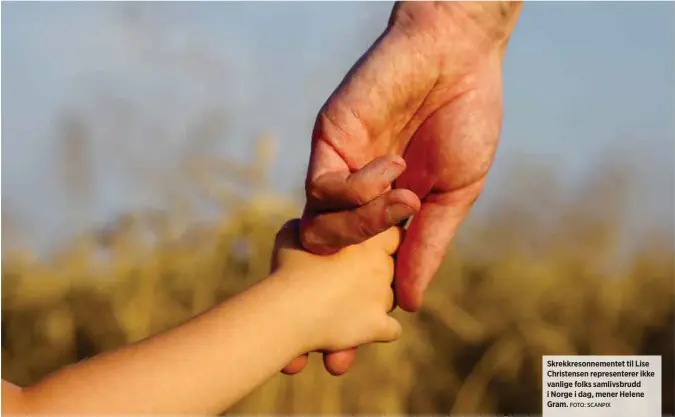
(511,292)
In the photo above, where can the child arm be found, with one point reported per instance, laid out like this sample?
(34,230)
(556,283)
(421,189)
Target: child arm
(215,359)
(202,367)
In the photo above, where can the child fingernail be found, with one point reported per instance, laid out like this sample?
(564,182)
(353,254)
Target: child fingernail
(396,213)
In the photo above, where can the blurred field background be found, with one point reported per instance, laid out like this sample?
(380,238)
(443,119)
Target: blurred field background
(542,269)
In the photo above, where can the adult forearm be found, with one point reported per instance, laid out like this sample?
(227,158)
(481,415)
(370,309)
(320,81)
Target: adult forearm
(202,367)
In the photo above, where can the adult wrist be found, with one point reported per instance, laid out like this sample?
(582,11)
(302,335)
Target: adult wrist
(469,29)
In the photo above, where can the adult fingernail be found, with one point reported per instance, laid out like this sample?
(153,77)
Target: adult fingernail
(396,213)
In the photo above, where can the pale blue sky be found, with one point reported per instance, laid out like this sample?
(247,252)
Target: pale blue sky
(581,78)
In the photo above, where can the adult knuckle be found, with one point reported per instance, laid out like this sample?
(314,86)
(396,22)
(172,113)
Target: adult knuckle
(308,236)
(356,194)
(330,129)
(367,227)
(314,192)
(340,122)
(306,227)
(365,230)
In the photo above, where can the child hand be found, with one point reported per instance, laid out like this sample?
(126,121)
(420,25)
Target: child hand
(345,297)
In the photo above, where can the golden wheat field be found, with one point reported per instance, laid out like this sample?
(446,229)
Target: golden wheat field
(509,291)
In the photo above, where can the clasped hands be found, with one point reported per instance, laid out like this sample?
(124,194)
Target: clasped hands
(410,132)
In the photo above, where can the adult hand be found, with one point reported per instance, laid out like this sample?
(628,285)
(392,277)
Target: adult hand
(421,110)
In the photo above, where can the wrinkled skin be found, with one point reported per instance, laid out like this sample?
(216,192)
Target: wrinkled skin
(412,130)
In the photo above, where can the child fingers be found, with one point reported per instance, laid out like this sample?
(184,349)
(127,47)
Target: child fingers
(338,363)
(390,330)
(389,240)
(297,365)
